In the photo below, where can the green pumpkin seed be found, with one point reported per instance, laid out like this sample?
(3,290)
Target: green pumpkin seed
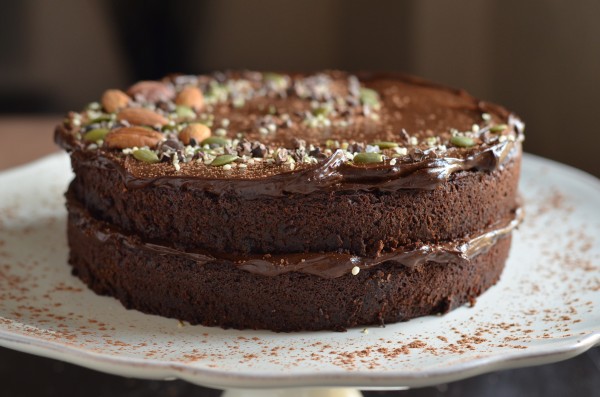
(386,145)
(96,135)
(145,155)
(184,112)
(369,97)
(214,140)
(169,128)
(498,128)
(216,93)
(462,141)
(275,78)
(238,102)
(101,119)
(321,111)
(224,159)
(331,144)
(368,158)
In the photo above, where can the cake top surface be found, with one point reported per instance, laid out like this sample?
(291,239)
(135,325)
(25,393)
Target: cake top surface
(253,125)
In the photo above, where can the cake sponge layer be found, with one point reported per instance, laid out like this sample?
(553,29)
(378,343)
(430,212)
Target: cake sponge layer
(218,293)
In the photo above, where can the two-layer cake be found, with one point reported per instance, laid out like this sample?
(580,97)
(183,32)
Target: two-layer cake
(291,202)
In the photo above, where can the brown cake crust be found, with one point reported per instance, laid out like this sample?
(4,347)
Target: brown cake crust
(220,294)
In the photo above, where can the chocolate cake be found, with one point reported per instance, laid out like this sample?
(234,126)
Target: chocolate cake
(291,201)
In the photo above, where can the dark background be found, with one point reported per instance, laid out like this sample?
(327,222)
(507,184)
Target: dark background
(541,59)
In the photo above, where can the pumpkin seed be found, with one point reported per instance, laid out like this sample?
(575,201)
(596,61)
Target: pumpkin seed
(96,134)
(386,145)
(331,144)
(462,141)
(184,112)
(169,128)
(145,155)
(214,140)
(368,158)
(321,111)
(223,159)
(369,97)
(100,119)
(238,102)
(498,128)
(275,78)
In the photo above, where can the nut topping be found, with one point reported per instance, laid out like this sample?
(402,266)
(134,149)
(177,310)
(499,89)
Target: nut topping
(152,91)
(196,119)
(113,100)
(141,116)
(129,137)
(191,97)
(196,131)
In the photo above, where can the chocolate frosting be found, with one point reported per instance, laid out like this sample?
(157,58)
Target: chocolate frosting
(336,174)
(407,104)
(333,174)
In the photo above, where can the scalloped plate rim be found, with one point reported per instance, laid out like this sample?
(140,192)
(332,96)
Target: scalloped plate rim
(223,379)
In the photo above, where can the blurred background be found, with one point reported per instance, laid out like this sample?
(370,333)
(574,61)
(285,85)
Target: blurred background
(540,59)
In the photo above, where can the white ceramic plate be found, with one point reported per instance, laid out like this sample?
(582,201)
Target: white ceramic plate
(546,307)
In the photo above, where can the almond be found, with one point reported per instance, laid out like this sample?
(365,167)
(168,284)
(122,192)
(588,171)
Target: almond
(128,137)
(113,100)
(152,91)
(190,96)
(141,116)
(195,131)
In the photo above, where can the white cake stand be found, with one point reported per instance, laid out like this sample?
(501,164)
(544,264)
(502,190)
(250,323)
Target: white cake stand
(545,308)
